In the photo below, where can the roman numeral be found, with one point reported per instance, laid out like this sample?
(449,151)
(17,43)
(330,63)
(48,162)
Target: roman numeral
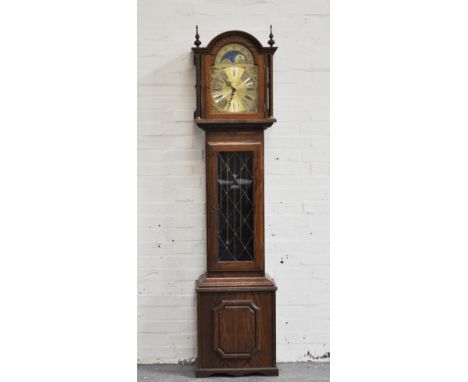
(218,97)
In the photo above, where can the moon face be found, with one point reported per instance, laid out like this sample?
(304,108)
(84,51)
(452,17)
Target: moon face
(234,54)
(233,57)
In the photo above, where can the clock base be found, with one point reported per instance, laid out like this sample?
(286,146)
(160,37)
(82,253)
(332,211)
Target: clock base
(236,325)
(267,371)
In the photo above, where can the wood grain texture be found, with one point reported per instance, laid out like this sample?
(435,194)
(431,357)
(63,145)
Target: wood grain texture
(208,282)
(236,316)
(222,141)
(237,331)
(267,371)
(235,124)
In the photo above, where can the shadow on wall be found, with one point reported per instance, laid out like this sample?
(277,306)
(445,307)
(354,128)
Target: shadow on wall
(179,71)
(171,181)
(166,103)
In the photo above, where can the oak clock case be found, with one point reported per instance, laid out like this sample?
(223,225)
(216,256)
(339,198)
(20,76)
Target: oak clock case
(235,298)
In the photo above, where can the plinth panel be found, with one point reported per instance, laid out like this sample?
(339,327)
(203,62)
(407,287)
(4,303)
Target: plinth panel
(236,332)
(236,329)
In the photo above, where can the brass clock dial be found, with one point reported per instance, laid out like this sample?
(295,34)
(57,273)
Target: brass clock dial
(234,81)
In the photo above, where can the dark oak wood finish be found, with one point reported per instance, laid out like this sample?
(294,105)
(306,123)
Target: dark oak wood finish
(235,299)
(220,141)
(237,372)
(236,329)
(236,125)
(236,326)
(263,58)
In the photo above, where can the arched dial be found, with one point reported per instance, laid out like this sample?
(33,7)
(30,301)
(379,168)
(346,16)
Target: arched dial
(234,81)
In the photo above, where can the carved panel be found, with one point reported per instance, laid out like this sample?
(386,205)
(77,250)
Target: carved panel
(236,329)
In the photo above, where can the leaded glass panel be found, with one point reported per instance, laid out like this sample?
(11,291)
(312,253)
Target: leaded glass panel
(235,206)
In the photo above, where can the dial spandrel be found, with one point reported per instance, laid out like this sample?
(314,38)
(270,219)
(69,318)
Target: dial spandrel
(234,81)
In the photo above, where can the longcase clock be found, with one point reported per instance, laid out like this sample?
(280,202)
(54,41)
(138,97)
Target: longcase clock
(235,298)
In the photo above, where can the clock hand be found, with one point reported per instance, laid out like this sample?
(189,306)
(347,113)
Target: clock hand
(229,83)
(233,92)
(232,96)
(229,103)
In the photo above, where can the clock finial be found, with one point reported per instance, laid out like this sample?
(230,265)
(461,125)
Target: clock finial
(271,42)
(197,42)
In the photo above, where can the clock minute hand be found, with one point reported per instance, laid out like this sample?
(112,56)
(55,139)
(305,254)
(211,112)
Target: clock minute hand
(229,103)
(232,96)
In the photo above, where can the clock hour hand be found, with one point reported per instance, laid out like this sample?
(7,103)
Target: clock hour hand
(233,92)
(232,87)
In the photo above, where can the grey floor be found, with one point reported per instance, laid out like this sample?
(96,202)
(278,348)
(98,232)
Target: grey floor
(297,372)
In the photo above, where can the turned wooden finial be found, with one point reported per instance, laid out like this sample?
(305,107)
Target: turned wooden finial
(271,42)
(197,42)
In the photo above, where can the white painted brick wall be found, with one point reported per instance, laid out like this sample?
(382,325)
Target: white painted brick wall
(171,172)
